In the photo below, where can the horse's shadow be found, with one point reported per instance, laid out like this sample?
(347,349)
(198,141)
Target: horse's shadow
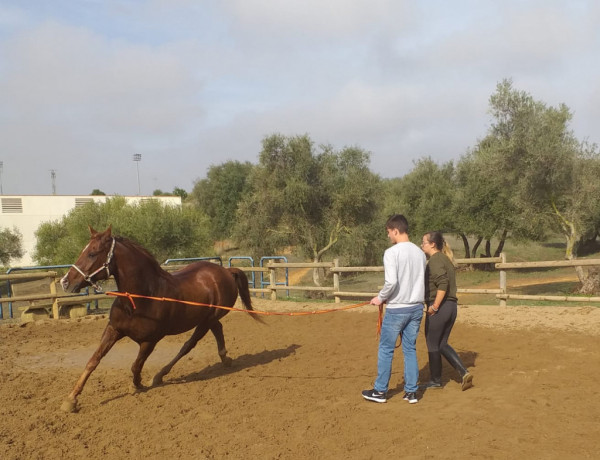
(448,372)
(240,363)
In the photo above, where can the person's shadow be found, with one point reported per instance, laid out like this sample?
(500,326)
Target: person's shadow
(448,373)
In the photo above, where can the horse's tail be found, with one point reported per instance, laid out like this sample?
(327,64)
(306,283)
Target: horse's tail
(244,291)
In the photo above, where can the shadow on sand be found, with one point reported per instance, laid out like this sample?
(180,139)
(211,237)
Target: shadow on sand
(216,370)
(448,373)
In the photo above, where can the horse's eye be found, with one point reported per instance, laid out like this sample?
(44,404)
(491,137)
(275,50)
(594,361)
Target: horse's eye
(91,255)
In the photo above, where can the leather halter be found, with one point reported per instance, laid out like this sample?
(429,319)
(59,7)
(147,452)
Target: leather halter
(104,266)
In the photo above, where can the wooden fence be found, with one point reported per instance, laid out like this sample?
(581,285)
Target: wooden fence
(338,270)
(33,303)
(504,296)
(500,264)
(57,301)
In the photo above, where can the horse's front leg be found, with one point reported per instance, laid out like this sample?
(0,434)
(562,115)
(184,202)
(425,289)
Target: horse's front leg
(110,336)
(145,349)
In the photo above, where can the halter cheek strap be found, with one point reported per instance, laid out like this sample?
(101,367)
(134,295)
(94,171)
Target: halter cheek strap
(104,266)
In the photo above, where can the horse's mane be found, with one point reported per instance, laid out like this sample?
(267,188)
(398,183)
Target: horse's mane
(143,252)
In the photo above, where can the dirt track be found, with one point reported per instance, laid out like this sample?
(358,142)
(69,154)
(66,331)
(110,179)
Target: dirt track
(294,391)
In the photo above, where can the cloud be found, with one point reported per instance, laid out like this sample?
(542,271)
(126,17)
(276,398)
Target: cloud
(60,71)
(333,19)
(191,84)
(12,18)
(72,95)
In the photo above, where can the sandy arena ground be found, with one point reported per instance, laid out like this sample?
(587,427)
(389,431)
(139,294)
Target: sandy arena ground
(293,391)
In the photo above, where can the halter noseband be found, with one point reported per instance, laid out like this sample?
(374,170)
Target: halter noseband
(104,266)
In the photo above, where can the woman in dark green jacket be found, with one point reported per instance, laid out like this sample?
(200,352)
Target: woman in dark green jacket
(440,296)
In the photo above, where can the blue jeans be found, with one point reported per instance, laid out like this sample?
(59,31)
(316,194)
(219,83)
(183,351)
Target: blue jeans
(406,322)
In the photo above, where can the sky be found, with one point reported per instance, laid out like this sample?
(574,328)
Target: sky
(189,84)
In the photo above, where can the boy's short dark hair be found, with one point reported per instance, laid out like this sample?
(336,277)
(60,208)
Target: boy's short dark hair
(398,222)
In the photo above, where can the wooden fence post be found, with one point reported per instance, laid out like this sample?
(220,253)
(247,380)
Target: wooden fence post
(272,282)
(336,280)
(503,280)
(55,307)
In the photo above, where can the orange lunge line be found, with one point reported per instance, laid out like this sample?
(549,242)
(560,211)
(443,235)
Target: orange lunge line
(257,312)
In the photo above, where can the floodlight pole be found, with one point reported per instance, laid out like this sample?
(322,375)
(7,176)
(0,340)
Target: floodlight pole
(137,157)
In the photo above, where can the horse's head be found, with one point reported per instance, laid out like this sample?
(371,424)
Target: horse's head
(92,264)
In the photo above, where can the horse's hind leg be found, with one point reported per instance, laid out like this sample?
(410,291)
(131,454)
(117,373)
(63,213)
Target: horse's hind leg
(217,330)
(185,349)
(110,336)
(145,349)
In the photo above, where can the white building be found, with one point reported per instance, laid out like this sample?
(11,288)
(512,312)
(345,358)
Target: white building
(27,212)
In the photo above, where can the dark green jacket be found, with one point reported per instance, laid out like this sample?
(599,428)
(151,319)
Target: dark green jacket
(440,276)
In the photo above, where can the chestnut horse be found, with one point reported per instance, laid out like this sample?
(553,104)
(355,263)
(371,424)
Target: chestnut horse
(137,272)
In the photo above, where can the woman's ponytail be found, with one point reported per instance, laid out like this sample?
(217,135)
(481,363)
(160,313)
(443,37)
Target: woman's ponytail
(447,251)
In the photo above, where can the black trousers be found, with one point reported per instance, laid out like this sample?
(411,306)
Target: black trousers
(437,332)
(439,326)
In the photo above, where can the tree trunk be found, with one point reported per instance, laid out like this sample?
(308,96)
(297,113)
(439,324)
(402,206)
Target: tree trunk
(572,238)
(488,253)
(476,246)
(571,254)
(465,241)
(591,284)
(501,243)
(334,235)
(317,272)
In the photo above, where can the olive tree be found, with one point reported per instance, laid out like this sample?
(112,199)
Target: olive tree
(219,194)
(319,202)
(425,196)
(550,174)
(166,231)
(11,245)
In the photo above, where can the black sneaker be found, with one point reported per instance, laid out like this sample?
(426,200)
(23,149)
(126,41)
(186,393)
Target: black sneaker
(372,395)
(410,397)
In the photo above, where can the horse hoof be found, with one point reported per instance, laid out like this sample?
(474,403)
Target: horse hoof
(137,389)
(69,406)
(157,380)
(227,361)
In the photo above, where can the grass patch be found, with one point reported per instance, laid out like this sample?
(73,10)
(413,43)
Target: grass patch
(516,251)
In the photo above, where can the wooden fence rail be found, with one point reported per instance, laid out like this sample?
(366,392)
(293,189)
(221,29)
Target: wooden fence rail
(336,270)
(549,264)
(273,287)
(46,294)
(499,263)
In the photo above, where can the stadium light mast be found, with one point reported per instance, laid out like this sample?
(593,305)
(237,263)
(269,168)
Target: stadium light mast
(137,157)
(53,178)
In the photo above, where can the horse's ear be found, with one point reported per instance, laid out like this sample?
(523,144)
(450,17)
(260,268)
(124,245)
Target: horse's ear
(92,231)
(108,231)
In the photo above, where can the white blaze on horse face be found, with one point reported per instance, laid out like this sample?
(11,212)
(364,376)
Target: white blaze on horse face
(64,281)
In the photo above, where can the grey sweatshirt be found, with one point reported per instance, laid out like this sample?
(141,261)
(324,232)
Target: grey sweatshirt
(404,284)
